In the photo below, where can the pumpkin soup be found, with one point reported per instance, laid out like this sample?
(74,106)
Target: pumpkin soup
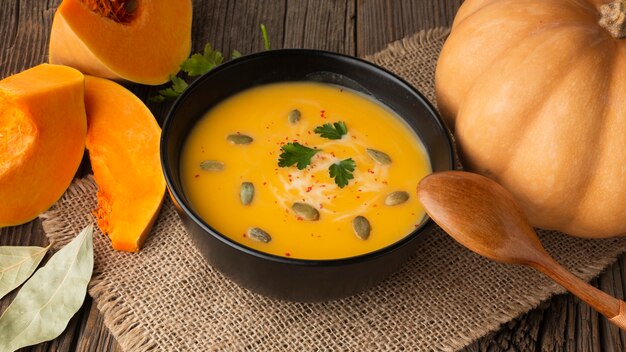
(305,170)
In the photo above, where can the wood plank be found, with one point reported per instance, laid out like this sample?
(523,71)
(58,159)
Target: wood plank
(380,22)
(357,27)
(325,25)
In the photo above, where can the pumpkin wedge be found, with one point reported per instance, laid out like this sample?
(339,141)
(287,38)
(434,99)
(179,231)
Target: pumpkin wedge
(42,139)
(123,144)
(139,41)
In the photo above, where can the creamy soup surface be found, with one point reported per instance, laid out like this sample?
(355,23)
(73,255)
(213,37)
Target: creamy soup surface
(214,166)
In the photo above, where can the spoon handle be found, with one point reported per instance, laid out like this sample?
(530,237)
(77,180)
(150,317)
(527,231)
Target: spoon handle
(611,307)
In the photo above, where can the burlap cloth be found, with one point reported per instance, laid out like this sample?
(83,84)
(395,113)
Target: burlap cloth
(167,298)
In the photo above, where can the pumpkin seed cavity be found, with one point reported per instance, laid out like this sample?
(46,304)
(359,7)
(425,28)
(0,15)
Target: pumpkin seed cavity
(305,211)
(395,198)
(362,227)
(238,138)
(212,165)
(378,156)
(294,116)
(258,234)
(246,193)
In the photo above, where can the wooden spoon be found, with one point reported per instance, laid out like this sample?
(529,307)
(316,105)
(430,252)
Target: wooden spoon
(483,216)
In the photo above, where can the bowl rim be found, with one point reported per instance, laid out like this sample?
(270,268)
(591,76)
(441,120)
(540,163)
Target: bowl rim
(425,223)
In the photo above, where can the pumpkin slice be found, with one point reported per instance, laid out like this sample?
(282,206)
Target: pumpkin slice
(139,41)
(123,143)
(42,139)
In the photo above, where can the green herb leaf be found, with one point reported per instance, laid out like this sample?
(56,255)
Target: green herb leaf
(235,55)
(45,304)
(266,39)
(178,87)
(342,172)
(178,84)
(334,131)
(17,264)
(296,153)
(199,64)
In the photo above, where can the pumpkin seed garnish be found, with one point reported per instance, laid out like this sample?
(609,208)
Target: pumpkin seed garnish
(212,165)
(395,198)
(361,227)
(306,211)
(246,193)
(238,138)
(294,116)
(257,234)
(378,156)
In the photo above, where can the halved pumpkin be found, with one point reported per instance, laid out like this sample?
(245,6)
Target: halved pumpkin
(142,41)
(42,139)
(123,143)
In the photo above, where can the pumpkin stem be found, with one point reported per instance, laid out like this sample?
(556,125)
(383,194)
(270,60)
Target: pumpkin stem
(120,11)
(613,18)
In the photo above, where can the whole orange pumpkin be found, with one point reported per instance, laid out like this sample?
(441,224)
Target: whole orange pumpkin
(536,93)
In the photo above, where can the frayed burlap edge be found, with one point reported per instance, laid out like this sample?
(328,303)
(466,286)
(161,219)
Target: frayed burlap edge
(118,318)
(520,308)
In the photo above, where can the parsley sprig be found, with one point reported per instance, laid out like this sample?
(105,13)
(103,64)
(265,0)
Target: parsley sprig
(342,171)
(199,64)
(296,153)
(332,131)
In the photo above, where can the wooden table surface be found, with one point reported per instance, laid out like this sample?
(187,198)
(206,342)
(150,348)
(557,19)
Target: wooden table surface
(355,27)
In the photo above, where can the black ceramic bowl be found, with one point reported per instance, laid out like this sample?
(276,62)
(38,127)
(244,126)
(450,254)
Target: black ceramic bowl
(279,277)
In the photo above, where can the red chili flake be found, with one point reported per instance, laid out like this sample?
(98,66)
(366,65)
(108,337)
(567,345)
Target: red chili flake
(288,254)
(358,197)
(321,206)
(294,140)
(308,189)
(370,171)
(244,235)
(385,182)
(323,114)
(264,183)
(309,132)
(360,190)
(196,175)
(353,137)
(299,218)
(417,225)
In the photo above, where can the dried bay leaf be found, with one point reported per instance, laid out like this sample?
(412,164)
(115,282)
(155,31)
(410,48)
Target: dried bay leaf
(17,264)
(45,304)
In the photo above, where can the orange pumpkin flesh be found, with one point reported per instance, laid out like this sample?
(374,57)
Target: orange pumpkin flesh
(123,143)
(42,139)
(535,90)
(142,41)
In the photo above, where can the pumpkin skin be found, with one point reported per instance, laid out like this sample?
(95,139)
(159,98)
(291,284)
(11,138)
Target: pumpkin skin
(123,143)
(42,139)
(147,48)
(536,93)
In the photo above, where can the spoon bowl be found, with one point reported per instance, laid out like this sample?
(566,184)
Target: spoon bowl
(485,218)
